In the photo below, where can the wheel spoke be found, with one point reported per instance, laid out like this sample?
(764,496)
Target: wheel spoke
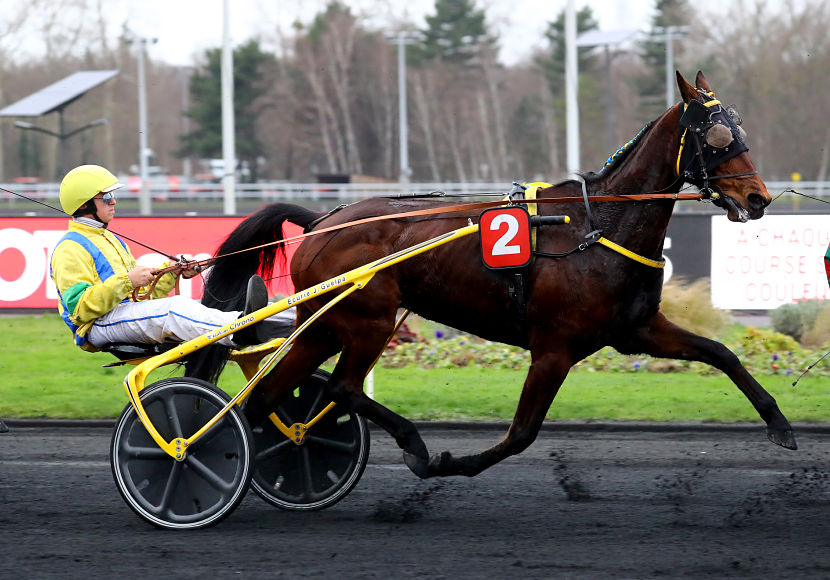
(170,487)
(308,482)
(314,406)
(332,444)
(207,437)
(140,452)
(210,476)
(173,416)
(274,450)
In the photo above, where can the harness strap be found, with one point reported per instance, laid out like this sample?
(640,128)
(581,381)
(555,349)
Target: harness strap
(587,205)
(629,254)
(446,209)
(728,175)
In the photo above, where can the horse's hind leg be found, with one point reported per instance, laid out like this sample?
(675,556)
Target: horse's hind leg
(311,349)
(360,349)
(664,339)
(547,371)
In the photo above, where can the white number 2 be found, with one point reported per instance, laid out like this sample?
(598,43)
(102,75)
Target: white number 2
(501,247)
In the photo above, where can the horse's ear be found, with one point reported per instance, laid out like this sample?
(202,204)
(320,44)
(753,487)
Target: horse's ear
(687,91)
(701,82)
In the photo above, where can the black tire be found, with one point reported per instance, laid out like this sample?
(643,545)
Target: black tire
(209,483)
(325,467)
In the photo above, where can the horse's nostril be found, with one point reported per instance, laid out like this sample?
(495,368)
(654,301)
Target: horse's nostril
(757,201)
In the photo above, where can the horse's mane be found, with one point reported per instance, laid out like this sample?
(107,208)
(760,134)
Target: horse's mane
(616,159)
(228,278)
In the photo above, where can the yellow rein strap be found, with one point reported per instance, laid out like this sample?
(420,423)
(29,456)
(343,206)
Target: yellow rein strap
(629,254)
(530,194)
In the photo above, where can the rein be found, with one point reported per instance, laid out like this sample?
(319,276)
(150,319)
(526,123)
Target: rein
(453,209)
(201,264)
(182,264)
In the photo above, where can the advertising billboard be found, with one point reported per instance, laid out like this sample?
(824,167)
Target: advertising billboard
(26,246)
(763,264)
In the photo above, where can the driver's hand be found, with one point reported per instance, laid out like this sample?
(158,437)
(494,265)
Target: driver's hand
(141,276)
(190,271)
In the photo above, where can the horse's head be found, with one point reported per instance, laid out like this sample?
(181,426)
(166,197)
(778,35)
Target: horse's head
(713,155)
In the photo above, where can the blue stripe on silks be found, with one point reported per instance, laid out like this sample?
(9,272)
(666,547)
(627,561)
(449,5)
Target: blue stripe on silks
(125,320)
(206,323)
(102,266)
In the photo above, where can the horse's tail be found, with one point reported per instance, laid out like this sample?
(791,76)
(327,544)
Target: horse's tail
(227,280)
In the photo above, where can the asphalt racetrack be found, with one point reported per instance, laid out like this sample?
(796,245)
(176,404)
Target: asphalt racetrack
(582,502)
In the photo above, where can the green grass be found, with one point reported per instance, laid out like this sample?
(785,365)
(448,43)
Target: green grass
(42,374)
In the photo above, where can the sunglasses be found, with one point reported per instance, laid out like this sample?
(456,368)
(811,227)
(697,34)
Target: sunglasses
(108,198)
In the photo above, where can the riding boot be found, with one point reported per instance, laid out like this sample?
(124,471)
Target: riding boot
(256,297)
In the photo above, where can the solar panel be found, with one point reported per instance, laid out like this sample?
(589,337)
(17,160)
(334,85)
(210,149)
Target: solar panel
(57,95)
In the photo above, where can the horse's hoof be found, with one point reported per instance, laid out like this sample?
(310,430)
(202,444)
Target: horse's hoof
(785,438)
(418,465)
(439,464)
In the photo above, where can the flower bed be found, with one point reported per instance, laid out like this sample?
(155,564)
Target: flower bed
(760,350)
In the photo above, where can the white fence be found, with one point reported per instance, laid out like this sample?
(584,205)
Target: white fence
(273,191)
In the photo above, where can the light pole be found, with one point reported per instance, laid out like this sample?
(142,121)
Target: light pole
(606,39)
(62,136)
(571,89)
(669,34)
(402,39)
(228,120)
(144,194)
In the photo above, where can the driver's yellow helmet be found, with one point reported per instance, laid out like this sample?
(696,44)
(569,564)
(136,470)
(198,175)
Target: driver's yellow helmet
(83,183)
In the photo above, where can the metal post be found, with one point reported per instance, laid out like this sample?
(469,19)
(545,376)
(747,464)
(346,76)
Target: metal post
(402,114)
(669,67)
(571,88)
(186,169)
(669,34)
(61,145)
(610,112)
(144,204)
(228,130)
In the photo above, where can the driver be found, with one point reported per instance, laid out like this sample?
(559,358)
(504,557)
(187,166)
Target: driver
(95,273)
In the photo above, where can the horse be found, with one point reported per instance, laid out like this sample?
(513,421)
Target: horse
(574,299)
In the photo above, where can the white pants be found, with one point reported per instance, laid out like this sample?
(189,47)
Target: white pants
(176,318)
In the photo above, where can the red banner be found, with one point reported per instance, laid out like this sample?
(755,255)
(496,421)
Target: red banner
(26,246)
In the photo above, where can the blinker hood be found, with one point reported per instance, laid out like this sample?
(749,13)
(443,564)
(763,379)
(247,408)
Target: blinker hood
(696,117)
(695,121)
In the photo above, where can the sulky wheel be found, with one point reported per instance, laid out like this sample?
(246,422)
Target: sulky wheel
(214,476)
(328,463)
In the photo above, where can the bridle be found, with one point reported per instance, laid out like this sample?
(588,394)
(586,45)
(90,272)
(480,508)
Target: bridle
(697,120)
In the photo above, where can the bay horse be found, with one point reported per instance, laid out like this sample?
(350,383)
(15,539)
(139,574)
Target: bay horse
(575,304)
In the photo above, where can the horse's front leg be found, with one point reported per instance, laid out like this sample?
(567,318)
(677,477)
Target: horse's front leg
(547,372)
(665,339)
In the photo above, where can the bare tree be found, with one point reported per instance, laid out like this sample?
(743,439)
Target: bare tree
(338,48)
(424,115)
